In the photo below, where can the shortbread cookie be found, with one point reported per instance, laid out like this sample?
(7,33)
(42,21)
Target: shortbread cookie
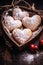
(32,22)
(21,15)
(11,24)
(18,14)
(21,36)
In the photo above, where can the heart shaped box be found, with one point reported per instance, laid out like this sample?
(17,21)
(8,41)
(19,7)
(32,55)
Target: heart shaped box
(14,42)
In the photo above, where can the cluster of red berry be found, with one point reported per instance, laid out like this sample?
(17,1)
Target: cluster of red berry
(35,46)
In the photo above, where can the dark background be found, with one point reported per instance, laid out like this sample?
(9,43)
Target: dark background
(38,3)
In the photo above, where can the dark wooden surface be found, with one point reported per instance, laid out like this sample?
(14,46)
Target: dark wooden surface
(10,56)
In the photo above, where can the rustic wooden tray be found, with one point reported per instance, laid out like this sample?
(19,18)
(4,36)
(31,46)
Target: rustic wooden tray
(36,33)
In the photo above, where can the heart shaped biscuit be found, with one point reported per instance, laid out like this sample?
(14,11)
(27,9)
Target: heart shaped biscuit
(21,36)
(11,24)
(18,14)
(32,22)
(21,15)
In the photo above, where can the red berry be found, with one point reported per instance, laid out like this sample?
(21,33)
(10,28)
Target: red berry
(33,46)
(36,46)
(41,42)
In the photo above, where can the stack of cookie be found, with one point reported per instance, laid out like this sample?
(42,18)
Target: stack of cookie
(21,25)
